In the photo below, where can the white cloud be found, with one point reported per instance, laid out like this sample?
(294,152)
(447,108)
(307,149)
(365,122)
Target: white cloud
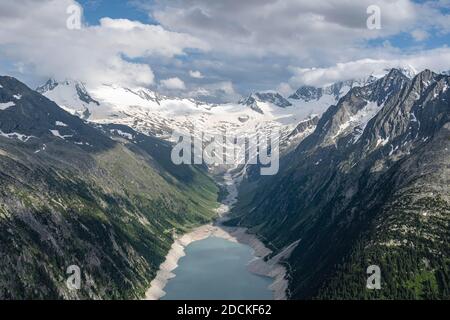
(437,60)
(34,34)
(300,28)
(196,74)
(285,89)
(173,84)
(299,33)
(340,71)
(240,46)
(225,86)
(222,91)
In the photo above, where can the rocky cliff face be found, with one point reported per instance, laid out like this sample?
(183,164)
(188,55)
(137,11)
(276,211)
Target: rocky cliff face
(368,187)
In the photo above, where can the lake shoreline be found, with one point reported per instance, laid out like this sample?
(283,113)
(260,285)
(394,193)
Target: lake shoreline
(271,268)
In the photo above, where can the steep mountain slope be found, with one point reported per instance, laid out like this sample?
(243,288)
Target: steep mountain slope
(368,187)
(103,198)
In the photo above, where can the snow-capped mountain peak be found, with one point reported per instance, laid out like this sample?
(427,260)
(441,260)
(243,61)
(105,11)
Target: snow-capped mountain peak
(408,70)
(307,93)
(148,94)
(150,113)
(271,97)
(336,90)
(70,94)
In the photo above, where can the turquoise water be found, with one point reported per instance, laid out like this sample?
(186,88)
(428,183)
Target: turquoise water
(215,268)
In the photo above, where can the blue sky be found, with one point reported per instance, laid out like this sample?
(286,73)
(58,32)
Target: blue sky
(94,10)
(220,50)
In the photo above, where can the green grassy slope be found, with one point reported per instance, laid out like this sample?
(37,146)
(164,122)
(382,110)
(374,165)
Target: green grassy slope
(112,213)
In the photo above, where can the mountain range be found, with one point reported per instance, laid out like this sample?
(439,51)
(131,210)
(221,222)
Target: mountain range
(364,173)
(150,113)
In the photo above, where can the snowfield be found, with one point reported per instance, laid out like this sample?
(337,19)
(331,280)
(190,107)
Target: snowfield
(147,112)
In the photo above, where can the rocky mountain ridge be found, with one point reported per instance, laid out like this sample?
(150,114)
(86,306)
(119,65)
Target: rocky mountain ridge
(368,187)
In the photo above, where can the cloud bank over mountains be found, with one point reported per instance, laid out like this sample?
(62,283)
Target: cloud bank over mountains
(223,48)
(437,59)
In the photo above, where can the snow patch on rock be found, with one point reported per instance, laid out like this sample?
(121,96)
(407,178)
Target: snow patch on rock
(16,135)
(57,134)
(60,124)
(6,105)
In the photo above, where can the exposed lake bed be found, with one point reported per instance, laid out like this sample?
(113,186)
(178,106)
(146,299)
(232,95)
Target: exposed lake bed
(271,274)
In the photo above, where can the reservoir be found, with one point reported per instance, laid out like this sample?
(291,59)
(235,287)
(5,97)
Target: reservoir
(215,268)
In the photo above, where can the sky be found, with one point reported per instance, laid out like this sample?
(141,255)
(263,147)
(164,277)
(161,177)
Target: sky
(219,50)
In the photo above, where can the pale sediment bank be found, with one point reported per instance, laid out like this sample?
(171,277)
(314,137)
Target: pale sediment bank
(271,268)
